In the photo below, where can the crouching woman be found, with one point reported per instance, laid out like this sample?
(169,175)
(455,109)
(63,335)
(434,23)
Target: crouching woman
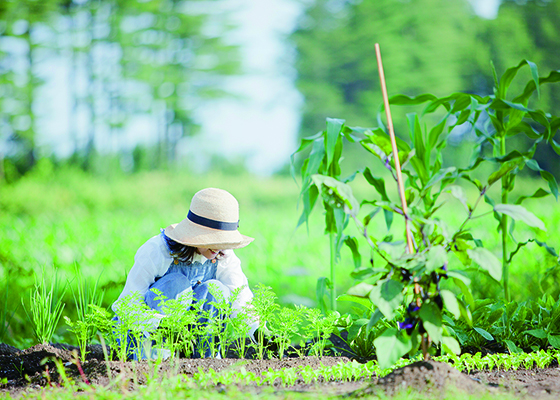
(192,259)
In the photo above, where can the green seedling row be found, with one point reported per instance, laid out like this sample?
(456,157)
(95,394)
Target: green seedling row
(354,371)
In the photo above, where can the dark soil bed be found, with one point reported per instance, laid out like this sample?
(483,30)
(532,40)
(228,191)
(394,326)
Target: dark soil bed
(34,368)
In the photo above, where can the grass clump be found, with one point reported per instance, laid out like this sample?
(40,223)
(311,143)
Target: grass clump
(45,307)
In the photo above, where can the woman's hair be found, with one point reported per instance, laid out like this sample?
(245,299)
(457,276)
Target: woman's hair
(178,251)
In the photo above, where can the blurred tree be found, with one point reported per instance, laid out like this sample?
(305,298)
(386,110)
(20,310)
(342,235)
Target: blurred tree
(83,32)
(179,58)
(427,46)
(126,58)
(25,23)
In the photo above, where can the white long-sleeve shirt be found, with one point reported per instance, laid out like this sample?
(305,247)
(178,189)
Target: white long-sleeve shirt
(152,260)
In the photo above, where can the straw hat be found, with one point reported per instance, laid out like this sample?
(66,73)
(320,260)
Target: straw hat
(211,223)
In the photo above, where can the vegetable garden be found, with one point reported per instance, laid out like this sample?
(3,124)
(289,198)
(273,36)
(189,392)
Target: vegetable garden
(459,277)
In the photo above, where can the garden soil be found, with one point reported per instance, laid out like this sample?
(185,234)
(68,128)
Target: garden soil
(33,368)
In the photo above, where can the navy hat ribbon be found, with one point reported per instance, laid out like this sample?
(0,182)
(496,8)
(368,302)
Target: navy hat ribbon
(211,223)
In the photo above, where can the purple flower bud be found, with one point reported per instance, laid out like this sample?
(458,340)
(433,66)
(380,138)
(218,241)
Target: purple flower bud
(407,324)
(412,307)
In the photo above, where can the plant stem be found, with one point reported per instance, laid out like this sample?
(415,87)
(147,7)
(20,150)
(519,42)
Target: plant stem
(504,224)
(471,212)
(332,238)
(363,230)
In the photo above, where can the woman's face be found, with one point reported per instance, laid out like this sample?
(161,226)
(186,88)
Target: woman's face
(209,253)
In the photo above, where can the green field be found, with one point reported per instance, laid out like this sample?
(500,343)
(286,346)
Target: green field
(68,220)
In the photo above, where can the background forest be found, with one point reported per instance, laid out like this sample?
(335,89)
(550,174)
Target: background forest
(82,189)
(126,62)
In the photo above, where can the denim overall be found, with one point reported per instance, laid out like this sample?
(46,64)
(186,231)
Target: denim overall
(182,276)
(179,277)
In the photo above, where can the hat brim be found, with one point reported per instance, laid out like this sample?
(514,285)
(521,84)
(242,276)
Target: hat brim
(190,234)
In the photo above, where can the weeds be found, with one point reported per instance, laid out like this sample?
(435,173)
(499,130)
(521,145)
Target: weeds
(45,307)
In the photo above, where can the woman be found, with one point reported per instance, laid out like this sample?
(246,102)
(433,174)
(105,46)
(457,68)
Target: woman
(191,255)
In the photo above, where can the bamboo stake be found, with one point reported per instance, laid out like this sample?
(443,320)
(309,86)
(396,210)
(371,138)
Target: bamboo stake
(400,183)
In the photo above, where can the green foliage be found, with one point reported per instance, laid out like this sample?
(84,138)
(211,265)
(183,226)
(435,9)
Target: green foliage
(86,293)
(322,165)
(136,321)
(284,325)
(337,71)
(217,325)
(239,326)
(319,329)
(177,330)
(5,316)
(98,224)
(531,325)
(82,328)
(415,279)
(45,307)
(357,335)
(159,49)
(262,307)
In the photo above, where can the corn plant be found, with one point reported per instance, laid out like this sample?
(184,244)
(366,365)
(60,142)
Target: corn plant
(324,159)
(45,307)
(509,116)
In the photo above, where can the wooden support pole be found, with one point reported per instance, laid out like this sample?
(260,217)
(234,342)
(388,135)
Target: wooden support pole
(410,245)
(400,183)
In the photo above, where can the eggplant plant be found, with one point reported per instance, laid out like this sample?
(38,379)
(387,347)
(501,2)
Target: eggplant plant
(411,280)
